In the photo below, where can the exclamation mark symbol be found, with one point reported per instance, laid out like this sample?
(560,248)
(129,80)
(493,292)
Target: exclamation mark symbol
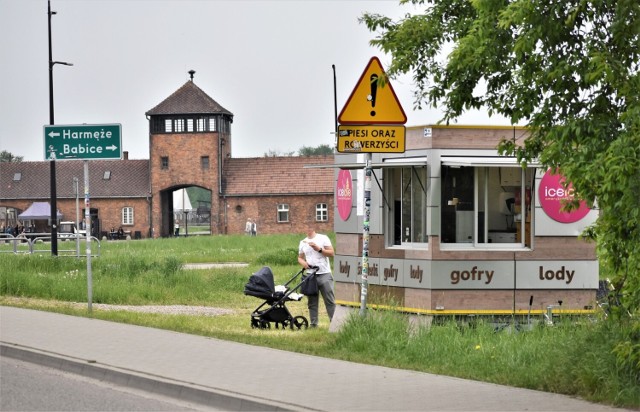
(372,96)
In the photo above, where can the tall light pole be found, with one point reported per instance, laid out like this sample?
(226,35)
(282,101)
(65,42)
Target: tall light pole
(52,158)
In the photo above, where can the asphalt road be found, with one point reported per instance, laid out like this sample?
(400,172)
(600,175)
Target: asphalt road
(26,386)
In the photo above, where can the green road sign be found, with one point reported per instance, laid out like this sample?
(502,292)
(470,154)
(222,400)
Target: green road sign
(83,141)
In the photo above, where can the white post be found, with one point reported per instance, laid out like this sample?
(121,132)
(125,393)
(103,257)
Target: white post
(365,236)
(77,233)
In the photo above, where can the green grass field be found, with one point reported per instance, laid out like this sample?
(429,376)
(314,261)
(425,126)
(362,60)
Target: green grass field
(593,359)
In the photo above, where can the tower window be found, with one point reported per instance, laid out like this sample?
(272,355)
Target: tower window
(164,162)
(204,162)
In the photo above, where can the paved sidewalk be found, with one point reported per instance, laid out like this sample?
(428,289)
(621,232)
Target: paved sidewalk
(235,376)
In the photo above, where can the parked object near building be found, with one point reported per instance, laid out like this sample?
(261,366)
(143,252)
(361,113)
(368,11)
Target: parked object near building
(68,230)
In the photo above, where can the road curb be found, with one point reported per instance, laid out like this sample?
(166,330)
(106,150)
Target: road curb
(184,391)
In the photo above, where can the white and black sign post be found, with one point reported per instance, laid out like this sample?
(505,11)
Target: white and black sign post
(365,236)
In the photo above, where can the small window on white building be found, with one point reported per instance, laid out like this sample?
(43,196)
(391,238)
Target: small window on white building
(322,212)
(406,215)
(283,212)
(127,215)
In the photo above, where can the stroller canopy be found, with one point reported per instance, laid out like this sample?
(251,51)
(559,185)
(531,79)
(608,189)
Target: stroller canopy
(261,284)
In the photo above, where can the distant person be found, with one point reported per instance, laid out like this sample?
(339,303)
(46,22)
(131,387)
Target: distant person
(120,233)
(248,227)
(254,228)
(176,230)
(315,250)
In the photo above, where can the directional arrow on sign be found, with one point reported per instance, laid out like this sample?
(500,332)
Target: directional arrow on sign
(54,134)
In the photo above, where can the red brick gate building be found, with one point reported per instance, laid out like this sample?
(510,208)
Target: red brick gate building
(189,146)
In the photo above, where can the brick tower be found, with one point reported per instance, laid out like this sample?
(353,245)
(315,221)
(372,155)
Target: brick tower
(189,141)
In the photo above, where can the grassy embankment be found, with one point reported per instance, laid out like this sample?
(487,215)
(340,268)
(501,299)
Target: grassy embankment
(573,358)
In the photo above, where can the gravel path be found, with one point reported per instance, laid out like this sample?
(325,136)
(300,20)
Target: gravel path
(162,309)
(167,310)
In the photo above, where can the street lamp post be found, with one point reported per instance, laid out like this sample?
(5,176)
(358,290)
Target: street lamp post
(52,159)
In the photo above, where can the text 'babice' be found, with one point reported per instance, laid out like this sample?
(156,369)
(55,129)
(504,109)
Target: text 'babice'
(81,149)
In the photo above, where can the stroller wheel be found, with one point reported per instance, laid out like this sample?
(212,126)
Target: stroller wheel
(300,322)
(265,325)
(255,323)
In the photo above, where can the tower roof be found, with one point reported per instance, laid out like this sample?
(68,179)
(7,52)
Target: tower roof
(188,99)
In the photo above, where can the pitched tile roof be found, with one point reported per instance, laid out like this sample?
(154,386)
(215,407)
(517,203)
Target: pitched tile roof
(188,99)
(278,175)
(128,178)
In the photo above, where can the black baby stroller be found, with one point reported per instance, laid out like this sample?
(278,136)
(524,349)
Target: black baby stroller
(261,285)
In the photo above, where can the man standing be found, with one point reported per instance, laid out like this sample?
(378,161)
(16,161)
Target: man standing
(315,250)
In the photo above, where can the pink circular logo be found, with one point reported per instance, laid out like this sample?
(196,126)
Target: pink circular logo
(553,194)
(344,193)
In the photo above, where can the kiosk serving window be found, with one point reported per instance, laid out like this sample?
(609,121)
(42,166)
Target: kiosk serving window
(486,202)
(406,211)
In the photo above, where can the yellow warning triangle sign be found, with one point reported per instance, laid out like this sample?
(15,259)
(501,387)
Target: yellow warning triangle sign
(373,100)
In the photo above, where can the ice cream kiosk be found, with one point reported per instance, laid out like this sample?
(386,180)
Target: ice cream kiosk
(455,228)
(436,222)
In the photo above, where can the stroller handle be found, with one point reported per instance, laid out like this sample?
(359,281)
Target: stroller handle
(313,269)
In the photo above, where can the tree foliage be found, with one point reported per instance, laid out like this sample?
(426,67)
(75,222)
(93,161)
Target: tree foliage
(322,150)
(568,69)
(8,157)
(276,153)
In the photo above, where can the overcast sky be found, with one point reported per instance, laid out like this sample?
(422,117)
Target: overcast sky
(266,61)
